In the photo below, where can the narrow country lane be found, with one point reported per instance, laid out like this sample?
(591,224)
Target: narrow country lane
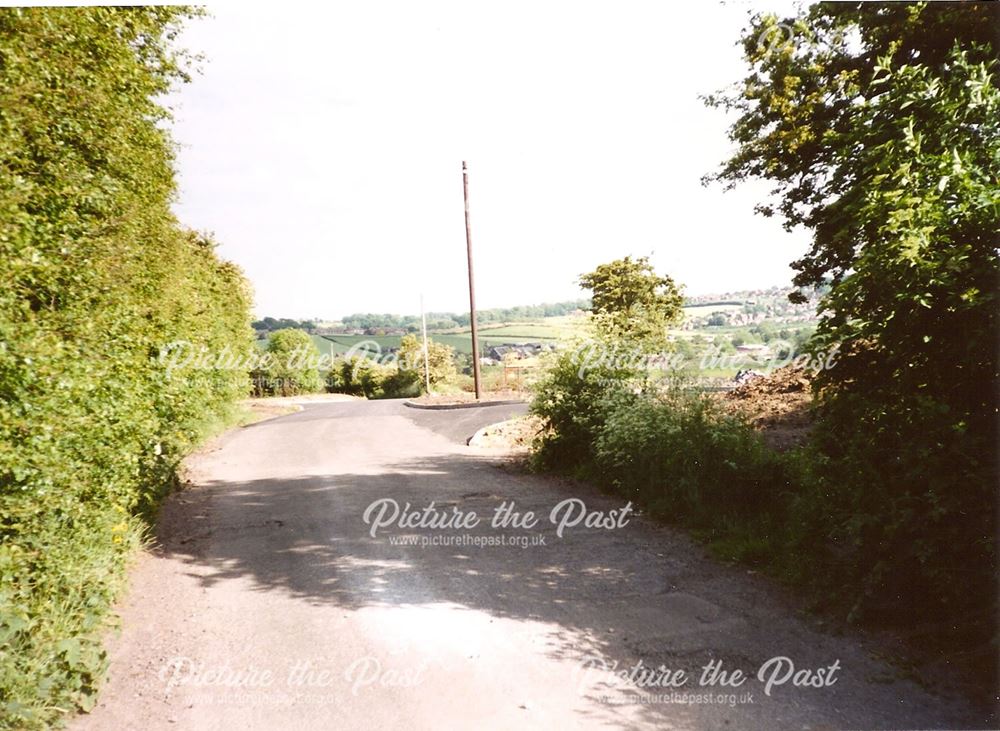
(268,604)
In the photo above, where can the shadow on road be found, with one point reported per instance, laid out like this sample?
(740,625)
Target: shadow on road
(639,592)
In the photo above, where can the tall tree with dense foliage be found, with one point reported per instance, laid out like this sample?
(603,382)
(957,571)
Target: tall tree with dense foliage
(97,278)
(633,304)
(879,127)
(293,366)
(632,308)
(440,359)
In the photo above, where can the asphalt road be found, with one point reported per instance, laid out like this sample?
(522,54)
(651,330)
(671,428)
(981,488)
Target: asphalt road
(269,604)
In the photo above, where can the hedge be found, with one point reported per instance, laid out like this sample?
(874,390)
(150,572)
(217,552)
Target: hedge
(96,277)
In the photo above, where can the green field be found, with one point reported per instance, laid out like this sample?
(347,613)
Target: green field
(550,330)
(461,342)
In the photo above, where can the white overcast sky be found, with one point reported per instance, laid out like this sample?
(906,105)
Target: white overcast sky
(323,147)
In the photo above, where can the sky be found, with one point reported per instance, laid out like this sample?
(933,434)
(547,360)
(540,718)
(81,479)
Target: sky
(323,147)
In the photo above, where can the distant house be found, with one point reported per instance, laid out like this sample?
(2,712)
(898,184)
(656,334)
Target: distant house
(516,350)
(497,352)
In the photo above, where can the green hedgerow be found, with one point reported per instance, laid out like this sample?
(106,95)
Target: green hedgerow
(96,280)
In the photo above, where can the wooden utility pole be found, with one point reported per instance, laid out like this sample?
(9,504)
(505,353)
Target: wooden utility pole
(472,284)
(427,363)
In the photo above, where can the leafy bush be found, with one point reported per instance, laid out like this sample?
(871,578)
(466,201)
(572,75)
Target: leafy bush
(96,280)
(403,377)
(903,504)
(440,358)
(363,376)
(570,398)
(672,451)
(890,520)
(681,456)
(291,368)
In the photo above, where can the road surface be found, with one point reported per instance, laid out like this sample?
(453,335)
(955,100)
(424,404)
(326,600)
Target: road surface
(269,604)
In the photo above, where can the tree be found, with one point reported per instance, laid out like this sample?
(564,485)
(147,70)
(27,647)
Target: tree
(803,108)
(888,151)
(632,304)
(269,323)
(879,127)
(361,375)
(293,361)
(440,359)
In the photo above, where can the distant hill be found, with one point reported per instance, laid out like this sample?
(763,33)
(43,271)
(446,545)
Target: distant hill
(270,324)
(754,304)
(373,323)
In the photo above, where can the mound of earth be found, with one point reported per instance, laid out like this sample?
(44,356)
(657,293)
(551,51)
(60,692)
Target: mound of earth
(515,434)
(777,404)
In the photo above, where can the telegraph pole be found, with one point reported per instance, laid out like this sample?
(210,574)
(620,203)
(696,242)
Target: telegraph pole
(472,284)
(423,327)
